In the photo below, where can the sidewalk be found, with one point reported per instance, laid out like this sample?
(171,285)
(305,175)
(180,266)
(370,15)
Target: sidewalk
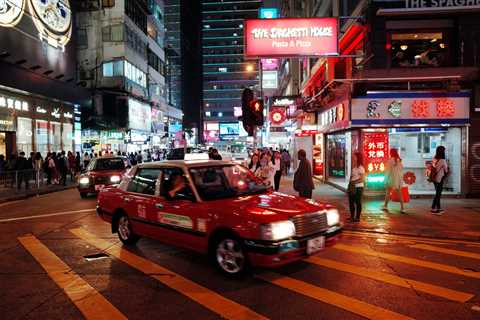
(461,219)
(11,194)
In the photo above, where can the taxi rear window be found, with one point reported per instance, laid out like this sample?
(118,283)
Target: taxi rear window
(110,164)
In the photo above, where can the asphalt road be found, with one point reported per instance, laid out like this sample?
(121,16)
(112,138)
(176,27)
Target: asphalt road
(44,275)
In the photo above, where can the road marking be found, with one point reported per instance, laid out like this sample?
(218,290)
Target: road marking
(90,303)
(10,203)
(408,238)
(393,279)
(224,307)
(350,304)
(459,253)
(412,261)
(46,215)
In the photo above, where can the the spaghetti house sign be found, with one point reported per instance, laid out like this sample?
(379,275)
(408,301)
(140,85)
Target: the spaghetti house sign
(291,37)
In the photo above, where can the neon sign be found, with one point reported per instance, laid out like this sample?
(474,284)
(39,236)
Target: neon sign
(277,116)
(395,108)
(375,150)
(445,108)
(420,108)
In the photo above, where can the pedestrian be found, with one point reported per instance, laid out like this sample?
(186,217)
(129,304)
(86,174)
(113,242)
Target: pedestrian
(86,160)
(3,165)
(302,180)
(216,155)
(393,179)
(254,163)
(10,168)
(23,168)
(71,165)
(78,163)
(440,173)
(355,187)
(53,166)
(37,167)
(63,168)
(278,165)
(266,170)
(139,157)
(286,161)
(47,169)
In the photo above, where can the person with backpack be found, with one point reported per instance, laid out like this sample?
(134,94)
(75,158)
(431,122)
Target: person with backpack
(393,179)
(438,174)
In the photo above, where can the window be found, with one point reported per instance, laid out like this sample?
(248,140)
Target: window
(108,3)
(169,179)
(82,38)
(41,128)
(67,137)
(24,135)
(113,68)
(145,181)
(419,49)
(112,33)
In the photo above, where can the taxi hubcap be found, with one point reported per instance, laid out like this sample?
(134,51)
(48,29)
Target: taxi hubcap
(230,256)
(123,228)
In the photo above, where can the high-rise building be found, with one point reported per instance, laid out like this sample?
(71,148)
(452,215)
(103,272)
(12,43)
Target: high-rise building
(225,71)
(122,59)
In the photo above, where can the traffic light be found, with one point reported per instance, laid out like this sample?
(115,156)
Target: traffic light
(256,107)
(247,115)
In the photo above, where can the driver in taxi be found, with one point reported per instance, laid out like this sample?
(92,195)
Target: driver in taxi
(177,185)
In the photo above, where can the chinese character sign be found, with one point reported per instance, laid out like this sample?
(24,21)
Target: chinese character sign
(375,149)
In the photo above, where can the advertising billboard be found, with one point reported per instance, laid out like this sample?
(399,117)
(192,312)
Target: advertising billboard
(139,115)
(229,129)
(38,34)
(291,37)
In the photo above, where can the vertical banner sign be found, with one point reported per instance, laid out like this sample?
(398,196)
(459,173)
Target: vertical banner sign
(375,152)
(291,37)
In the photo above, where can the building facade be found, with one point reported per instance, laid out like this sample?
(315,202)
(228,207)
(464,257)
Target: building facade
(40,99)
(407,78)
(122,60)
(225,71)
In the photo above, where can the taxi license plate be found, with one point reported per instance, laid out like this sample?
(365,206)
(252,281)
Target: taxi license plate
(314,245)
(99,187)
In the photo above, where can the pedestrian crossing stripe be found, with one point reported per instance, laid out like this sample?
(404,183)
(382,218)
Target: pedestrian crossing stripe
(407,238)
(336,299)
(211,300)
(459,253)
(407,260)
(90,303)
(446,293)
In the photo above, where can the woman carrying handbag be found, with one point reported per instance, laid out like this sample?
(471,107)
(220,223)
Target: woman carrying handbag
(393,179)
(355,187)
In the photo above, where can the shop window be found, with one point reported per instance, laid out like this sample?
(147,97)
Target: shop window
(55,136)
(419,49)
(24,135)
(41,137)
(67,137)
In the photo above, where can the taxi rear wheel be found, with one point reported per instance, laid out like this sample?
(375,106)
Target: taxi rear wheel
(125,232)
(230,256)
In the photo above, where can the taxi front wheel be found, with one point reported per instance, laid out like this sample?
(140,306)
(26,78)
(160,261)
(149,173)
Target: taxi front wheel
(230,255)
(125,232)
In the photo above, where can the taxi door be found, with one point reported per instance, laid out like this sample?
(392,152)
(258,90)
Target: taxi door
(180,216)
(140,200)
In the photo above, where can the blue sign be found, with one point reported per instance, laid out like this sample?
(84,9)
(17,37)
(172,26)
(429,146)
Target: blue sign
(268,13)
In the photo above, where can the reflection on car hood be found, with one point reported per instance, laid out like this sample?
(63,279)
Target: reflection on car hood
(275,206)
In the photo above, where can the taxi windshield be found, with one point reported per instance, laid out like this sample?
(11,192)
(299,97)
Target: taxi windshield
(218,182)
(109,164)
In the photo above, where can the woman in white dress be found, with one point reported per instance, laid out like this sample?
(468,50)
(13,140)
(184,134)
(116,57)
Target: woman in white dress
(393,176)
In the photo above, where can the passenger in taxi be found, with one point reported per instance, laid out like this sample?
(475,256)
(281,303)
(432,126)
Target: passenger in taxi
(177,186)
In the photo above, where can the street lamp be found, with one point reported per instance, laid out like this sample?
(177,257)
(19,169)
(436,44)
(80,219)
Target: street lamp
(249,68)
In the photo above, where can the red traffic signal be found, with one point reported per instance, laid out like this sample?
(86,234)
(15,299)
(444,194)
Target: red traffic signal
(256,107)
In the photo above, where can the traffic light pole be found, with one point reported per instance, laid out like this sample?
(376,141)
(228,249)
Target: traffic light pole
(260,77)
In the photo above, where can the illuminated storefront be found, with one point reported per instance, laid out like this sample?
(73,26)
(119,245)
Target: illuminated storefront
(31,124)
(414,123)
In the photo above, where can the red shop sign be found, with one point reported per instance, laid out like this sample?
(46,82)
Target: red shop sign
(291,37)
(278,116)
(305,133)
(375,150)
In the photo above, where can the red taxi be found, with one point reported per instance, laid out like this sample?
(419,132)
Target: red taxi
(219,208)
(101,172)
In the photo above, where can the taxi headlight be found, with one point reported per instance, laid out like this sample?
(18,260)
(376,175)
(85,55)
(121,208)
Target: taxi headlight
(333,217)
(84,180)
(278,230)
(115,179)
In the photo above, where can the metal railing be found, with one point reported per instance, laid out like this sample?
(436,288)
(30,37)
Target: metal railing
(28,180)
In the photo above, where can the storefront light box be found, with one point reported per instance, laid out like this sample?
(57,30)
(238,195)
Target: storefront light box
(229,129)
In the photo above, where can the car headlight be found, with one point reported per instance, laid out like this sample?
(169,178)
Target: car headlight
(115,179)
(84,180)
(333,217)
(278,230)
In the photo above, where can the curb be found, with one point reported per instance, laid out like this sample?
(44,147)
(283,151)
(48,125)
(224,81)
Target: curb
(31,195)
(412,234)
